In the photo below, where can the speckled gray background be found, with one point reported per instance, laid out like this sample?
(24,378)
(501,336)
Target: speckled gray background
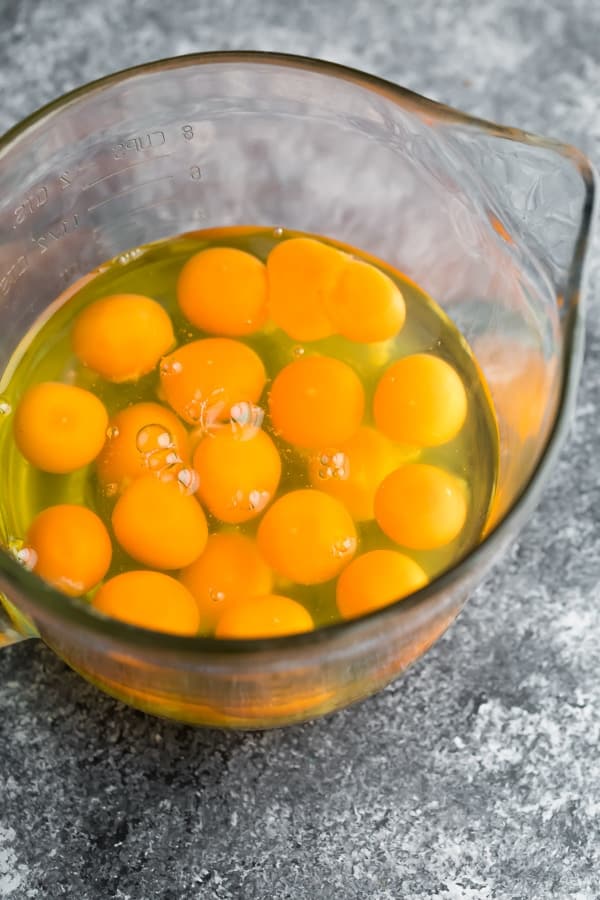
(477,777)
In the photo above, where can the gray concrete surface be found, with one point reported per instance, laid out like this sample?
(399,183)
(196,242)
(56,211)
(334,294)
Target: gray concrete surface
(477,776)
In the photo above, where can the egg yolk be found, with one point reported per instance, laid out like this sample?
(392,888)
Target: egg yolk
(224,291)
(365,305)
(421,506)
(71,548)
(122,337)
(353,470)
(307,536)
(159,525)
(238,475)
(264,617)
(301,272)
(59,427)
(316,400)
(141,439)
(149,600)
(376,579)
(230,570)
(420,400)
(204,379)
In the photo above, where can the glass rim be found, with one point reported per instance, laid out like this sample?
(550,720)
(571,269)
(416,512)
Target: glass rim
(76,613)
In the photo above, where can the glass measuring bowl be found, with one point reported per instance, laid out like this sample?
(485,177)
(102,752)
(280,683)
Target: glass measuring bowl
(492,222)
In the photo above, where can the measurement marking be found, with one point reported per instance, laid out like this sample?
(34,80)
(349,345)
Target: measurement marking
(38,197)
(138,209)
(10,278)
(129,190)
(157,202)
(141,162)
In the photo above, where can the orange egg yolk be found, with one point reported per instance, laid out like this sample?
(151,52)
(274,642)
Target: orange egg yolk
(264,617)
(420,400)
(224,291)
(365,305)
(307,536)
(142,438)
(122,337)
(421,506)
(376,579)
(204,379)
(60,428)
(159,525)
(229,570)
(301,273)
(238,475)
(315,401)
(149,600)
(353,470)
(70,548)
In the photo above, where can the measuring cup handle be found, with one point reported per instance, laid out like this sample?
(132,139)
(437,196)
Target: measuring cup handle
(13,627)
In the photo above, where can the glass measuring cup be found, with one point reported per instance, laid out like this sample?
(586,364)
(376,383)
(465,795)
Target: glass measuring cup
(492,222)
